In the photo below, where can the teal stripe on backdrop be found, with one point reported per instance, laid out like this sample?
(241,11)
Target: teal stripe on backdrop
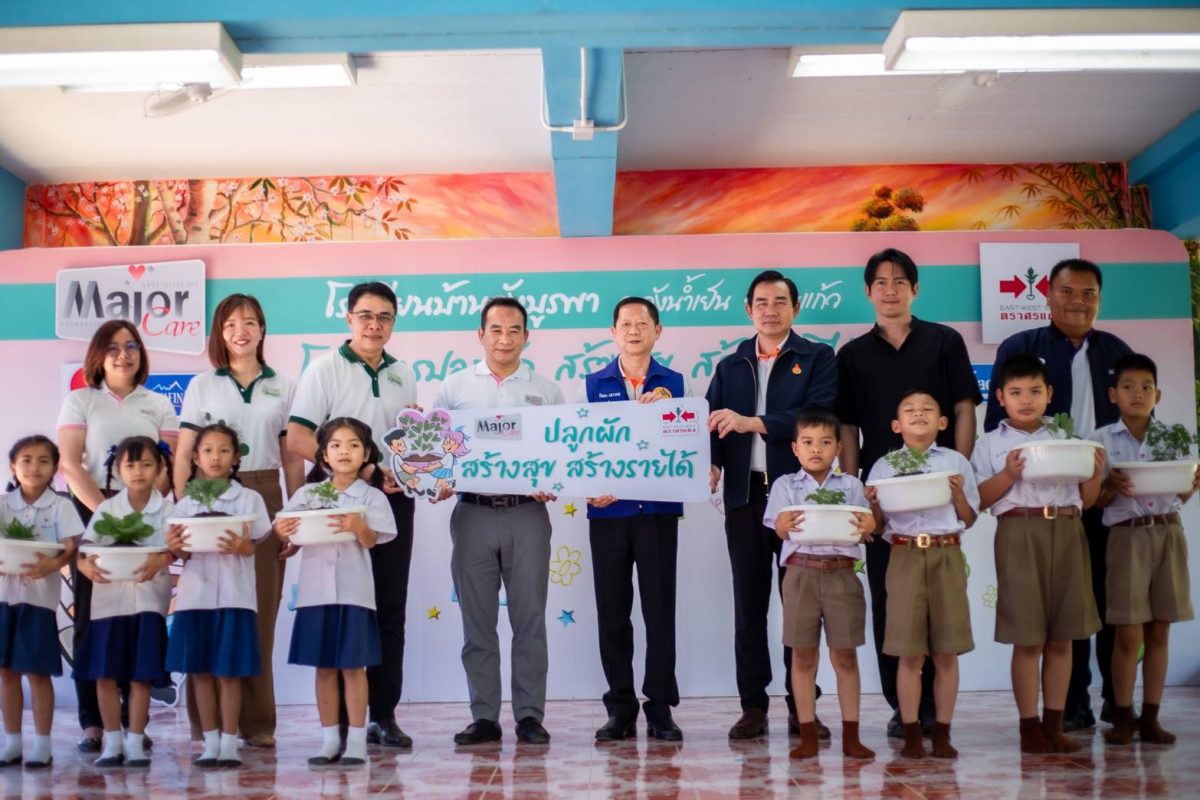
(688,298)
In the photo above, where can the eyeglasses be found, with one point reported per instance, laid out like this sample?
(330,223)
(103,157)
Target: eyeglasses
(130,347)
(367,317)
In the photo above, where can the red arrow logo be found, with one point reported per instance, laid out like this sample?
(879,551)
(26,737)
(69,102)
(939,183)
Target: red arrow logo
(669,416)
(688,416)
(1015,286)
(1043,286)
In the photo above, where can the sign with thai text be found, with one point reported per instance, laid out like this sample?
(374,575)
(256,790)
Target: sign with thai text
(1014,285)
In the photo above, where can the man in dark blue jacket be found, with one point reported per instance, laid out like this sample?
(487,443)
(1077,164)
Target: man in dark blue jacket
(755,395)
(626,534)
(1079,362)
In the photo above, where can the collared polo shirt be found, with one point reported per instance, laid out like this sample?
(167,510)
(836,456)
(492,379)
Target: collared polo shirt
(988,460)
(107,418)
(258,412)
(125,598)
(937,521)
(54,519)
(790,490)
(1122,446)
(476,387)
(217,580)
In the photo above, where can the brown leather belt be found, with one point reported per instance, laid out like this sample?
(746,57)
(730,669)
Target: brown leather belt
(820,562)
(926,540)
(1147,521)
(1045,512)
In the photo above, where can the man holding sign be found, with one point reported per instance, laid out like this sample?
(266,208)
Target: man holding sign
(629,533)
(501,539)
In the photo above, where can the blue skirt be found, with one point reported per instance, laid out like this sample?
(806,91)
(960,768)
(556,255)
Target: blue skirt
(128,648)
(29,640)
(335,637)
(219,641)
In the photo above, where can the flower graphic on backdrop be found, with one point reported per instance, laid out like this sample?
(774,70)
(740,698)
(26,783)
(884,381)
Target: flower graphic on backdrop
(566,566)
(989,597)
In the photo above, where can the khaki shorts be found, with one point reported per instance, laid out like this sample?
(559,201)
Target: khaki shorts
(815,596)
(927,606)
(1147,575)
(1044,581)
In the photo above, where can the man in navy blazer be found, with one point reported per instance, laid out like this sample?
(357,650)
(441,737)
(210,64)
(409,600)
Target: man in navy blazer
(755,395)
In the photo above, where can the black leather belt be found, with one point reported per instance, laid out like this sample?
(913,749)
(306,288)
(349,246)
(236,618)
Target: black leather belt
(495,500)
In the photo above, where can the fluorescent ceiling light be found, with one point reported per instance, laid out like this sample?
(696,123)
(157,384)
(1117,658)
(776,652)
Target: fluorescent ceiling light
(291,71)
(842,61)
(1045,39)
(193,52)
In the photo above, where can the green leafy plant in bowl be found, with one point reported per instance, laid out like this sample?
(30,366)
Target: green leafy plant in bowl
(826,497)
(18,531)
(206,492)
(907,461)
(127,531)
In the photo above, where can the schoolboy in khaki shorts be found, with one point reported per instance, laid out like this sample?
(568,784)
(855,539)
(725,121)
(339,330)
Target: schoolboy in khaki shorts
(820,587)
(1043,571)
(928,615)
(1148,586)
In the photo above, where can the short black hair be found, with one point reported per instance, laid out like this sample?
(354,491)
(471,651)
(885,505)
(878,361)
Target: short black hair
(1078,265)
(818,418)
(503,302)
(628,301)
(773,276)
(918,390)
(371,287)
(1135,362)
(1021,365)
(898,257)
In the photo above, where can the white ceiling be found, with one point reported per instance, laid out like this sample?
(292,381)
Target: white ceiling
(479,112)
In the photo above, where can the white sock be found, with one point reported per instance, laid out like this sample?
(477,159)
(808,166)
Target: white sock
(212,744)
(113,746)
(229,747)
(331,741)
(135,746)
(12,747)
(41,749)
(356,743)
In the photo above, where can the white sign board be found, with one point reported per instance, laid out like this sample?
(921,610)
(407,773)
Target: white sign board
(634,451)
(1014,284)
(164,300)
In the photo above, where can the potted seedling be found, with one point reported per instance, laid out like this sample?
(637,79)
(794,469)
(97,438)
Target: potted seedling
(19,547)
(913,487)
(205,530)
(1063,458)
(316,523)
(121,552)
(1171,467)
(827,519)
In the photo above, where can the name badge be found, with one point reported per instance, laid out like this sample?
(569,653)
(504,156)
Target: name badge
(534,400)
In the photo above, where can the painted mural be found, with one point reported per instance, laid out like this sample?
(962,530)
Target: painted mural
(505,205)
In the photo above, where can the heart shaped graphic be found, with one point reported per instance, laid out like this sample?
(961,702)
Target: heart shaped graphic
(137,270)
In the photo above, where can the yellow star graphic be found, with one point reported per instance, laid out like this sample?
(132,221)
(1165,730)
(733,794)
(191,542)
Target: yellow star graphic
(434,613)
(569,509)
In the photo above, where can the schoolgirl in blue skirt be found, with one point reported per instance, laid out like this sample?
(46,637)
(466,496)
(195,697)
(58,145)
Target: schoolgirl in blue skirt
(29,594)
(335,628)
(127,637)
(214,632)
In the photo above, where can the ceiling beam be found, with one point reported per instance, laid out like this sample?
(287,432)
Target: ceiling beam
(1171,168)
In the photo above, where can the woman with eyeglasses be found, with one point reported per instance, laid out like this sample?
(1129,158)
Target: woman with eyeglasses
(114,404)
(244,393)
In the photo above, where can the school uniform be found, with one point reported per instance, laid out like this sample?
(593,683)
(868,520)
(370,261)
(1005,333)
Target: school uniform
(820,587)
(927,607)
(259,414)
(214,627)
(501,539)
(28,624)
(1043,568)
(127,637)
(335,625)
(1147,555)
(340,384)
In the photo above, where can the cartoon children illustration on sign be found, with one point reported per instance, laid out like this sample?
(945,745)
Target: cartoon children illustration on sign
(425,446)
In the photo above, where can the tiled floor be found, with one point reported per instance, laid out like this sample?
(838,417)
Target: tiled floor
(706,765)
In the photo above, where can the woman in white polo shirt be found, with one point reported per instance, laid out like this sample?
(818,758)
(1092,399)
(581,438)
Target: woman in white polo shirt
(115,404)
(244,393)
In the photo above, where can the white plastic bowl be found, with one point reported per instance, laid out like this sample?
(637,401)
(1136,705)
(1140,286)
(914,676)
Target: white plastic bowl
(15,554)
(827,524)
(1058,460)
(121,562)
(913,492)
(204,533)
(315,525)
(1158,477)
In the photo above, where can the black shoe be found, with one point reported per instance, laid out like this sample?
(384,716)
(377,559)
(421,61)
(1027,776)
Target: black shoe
(823,734)
(137,763)
(927,723)
(111,761)
(40,764)
(388,734)
(530,731)
(226,763)
(352,762)
(616,729)
(147,742)
(1078,720)
(324,761)
(205,763)
(750,725)
(478,732)
(664,729)
(89,744)
(12,762)
(895,728)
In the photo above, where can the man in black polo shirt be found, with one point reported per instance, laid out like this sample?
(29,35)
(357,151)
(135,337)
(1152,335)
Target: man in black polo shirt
(1079,361)
(899,353)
